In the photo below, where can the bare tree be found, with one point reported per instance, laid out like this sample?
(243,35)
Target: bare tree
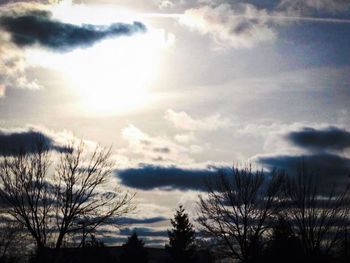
(26,192)
(237,209)
(11,239)
(318,217)
(81,202)
(52,206)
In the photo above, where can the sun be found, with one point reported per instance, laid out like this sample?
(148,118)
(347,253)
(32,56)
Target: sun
(112,76)
(115,76)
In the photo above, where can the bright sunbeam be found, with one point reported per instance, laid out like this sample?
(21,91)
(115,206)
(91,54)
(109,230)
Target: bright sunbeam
(113,75)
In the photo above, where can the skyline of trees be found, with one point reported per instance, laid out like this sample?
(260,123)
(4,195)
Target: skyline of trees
(249,216)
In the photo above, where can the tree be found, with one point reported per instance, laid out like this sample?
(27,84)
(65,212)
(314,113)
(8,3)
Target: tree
(79,194)
(318,217)
(93,242)
(283,245)
(181,238)
(11,240)
(134,251)
(51,206)
(237,210)
(343,250)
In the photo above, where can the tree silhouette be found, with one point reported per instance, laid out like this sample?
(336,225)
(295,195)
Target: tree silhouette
(318,218)
(93,242)
(237,211)
(344,248)
(283,245)
(51,206)
(12,240)
(134,251)
(181,238)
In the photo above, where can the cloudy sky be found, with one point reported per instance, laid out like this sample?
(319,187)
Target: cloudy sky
(180,88)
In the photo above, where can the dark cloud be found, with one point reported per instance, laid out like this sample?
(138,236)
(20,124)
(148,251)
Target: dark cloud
(140,221)
(143,232)
(162,149)
(331,138)
(38,27)
(26,141)
(149,177)
(324,161)
(329,169)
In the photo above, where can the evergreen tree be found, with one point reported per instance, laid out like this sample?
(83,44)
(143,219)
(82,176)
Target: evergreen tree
(134,251)
(181,238)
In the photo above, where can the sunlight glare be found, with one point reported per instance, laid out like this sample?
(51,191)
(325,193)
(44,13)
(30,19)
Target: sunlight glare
(112,76)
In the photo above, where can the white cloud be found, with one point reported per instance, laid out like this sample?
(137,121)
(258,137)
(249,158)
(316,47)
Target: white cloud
(59,138)
(195,149)
(183,121)
(184,137)
(2,90)
(157,149)
(13,63)
(13,67)
(164,4)
(242,26)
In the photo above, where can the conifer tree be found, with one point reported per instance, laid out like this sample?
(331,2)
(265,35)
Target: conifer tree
(134,251)
(181,238)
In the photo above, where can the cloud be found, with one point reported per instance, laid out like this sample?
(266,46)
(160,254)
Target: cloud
(183,121)
(25,139)
(13,67)
(4,2)
(140,221)
(149,177)
(322,150)
(164,4)
(184,137)
(143,232)
(2,90)
(234,24)
(38,27)
(330,169)
(155,149)
(28,23)
(162,149)
(238,26)
(306,6)
(331,138)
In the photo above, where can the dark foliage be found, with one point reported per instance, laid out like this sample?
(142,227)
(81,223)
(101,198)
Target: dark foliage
(283,246)
(317,218)
(134,251)
(343,253)
(181,238)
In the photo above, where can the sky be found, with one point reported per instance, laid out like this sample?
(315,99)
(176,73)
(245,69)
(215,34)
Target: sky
(180,89)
